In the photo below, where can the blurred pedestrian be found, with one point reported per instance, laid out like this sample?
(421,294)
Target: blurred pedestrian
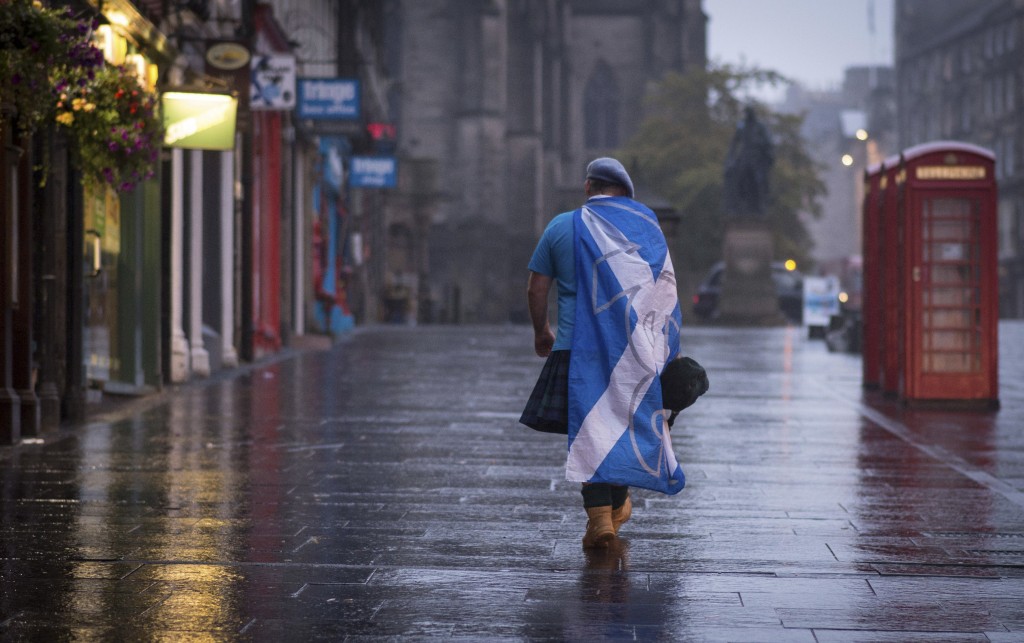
(618,324)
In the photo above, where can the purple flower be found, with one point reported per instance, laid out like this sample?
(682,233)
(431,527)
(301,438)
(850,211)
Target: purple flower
(16,78)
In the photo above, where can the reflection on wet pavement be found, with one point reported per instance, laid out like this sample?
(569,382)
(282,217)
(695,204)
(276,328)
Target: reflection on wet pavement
(384,489)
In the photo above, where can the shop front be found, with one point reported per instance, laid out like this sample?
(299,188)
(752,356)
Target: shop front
(121,258)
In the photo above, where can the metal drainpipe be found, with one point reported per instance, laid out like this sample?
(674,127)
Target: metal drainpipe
(10,403)
(48,237)
(246,346)
(24,313)
(74,396)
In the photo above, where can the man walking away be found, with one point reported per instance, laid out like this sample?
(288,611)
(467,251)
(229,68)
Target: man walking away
(618,325)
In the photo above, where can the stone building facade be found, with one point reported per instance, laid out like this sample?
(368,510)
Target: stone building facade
(499,105)
(960,76)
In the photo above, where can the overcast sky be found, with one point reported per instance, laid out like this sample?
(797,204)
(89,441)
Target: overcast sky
(811,41)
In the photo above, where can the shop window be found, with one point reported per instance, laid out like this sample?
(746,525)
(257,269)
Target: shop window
(601,109)
(1019,230)
(1010,156)
(1006,216)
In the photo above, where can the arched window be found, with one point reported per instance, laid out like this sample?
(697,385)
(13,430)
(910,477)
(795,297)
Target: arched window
(601,109)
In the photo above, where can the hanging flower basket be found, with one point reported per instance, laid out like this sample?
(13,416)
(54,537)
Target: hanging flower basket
(37,46)
(49,69)
(114,124)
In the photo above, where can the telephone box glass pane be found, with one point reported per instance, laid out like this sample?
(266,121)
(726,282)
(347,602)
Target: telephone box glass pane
(950,288)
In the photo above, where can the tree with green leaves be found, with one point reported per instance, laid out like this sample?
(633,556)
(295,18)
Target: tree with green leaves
(679,153)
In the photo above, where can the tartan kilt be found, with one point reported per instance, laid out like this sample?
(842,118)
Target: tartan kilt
(547,409)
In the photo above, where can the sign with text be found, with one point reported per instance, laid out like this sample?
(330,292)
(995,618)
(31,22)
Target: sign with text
(228,61)
(329,98)
(273,82)
(373,172)
(199,121)
(821,300)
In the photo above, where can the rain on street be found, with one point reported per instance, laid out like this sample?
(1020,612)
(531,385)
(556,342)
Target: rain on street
(384,488)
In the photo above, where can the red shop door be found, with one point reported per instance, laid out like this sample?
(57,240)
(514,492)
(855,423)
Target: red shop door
(266,227)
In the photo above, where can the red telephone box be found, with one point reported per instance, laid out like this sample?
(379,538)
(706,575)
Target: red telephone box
(870,308)
(881,277)
(892,275)
(871,304)
(946,307)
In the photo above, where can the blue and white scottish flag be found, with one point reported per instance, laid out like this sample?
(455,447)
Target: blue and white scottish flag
(627,328)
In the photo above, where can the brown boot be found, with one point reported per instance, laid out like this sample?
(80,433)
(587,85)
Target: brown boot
(599,527)
(621,514)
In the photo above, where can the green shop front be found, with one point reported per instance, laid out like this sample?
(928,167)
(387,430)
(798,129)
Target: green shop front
(121,302)
(121,230)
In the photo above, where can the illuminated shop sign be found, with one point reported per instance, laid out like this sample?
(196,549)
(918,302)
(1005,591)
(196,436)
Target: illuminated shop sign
(199,121)
(328,98)
(373,172)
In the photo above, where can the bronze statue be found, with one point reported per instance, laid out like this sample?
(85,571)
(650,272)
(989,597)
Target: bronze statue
(750,159)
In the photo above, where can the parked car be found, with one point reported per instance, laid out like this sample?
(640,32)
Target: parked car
(789,285)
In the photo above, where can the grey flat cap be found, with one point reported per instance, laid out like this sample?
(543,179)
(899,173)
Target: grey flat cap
(610,170)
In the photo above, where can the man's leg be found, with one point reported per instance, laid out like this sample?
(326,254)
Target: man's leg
(622,506)
(597,501)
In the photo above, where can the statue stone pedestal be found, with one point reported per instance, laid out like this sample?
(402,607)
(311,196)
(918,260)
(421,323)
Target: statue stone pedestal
(748,296)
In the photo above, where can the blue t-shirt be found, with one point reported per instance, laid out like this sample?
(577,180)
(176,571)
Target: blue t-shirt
(555,257)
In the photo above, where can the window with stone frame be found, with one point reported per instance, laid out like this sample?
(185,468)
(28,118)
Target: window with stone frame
(1010,155)
(966,105)
(1011,92)
(1018,232)
(601,109)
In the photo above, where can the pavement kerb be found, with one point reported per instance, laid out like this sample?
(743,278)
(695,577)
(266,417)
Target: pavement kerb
(134,405)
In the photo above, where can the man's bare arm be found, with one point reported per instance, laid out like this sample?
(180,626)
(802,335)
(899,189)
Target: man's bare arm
(537,290)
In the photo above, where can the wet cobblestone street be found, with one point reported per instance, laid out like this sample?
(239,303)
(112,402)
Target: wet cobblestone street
(384,489)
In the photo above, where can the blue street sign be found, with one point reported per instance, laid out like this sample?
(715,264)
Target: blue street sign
(328,98)
(373,172)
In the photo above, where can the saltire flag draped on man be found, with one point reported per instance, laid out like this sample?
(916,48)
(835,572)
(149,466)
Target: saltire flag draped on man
(627,328)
